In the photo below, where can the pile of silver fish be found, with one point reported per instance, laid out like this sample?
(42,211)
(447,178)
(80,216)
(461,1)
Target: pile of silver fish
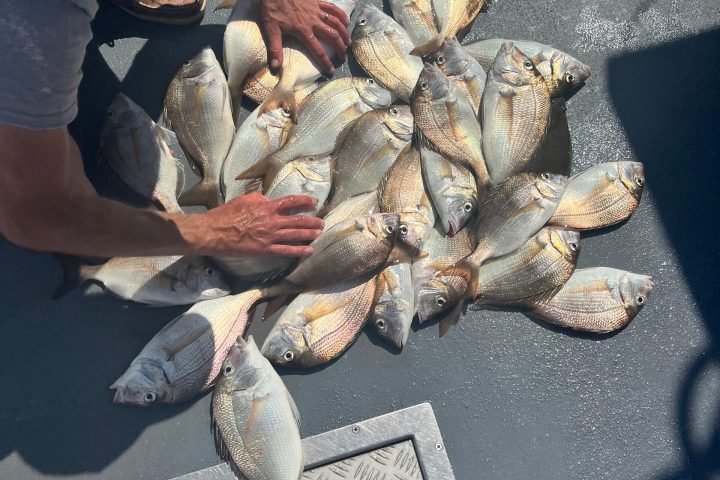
(443,181)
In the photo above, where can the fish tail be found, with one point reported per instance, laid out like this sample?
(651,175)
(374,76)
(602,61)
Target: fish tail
(204,193)
(428,48)
(282,96)
(74,272)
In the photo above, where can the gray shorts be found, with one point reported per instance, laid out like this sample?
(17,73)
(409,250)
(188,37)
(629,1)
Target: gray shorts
(42,46)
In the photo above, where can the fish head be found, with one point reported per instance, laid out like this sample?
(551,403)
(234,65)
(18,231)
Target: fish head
(199,64)
(391,319)
(399,120)
(550,186)
(566,73)
(384,225)
(443,291)
(632,175)
(143,384)
(413,230)
(242,366)
(514,67)
(565,241)
(286,345)
(460,208)
(202,279)
(123,112)
(432,84)
(634,291)
(370,20)
(372,93)
(278,118)
(451,58)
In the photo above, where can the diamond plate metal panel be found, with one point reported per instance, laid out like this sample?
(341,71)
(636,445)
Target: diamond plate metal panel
(394,462)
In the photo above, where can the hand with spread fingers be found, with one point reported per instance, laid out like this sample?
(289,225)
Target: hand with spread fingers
(252,225)
(310,21)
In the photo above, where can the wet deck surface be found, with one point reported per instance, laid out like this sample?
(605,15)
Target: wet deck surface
(513,398)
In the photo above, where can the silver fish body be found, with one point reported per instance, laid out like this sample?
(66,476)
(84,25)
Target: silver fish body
(184,358)
(257,137)
(382,47)
(515,113)
(394,305)
(368,151)
(514,211)
(136,149)
(197,107)
(254,417)
(562,72)
(452,188)
(320,325)
(598,300)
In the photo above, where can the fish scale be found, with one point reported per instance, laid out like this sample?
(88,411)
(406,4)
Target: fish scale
(595,300)
(515,113)
(416,16)
(601,196)
(543,263)
(369,150)
(382,47)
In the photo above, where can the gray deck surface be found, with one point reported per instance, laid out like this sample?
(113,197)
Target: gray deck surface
(513,398)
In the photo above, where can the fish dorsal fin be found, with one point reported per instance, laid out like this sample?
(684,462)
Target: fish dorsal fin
(254,185)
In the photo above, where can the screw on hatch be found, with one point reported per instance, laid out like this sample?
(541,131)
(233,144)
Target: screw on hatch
(438,446)
(355,429)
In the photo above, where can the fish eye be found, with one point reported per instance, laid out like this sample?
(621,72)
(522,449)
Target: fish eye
(424,85)
(569,78)
(370,81)
(393,111)
(639,181)
(545,176)
(150,397)
(404,229)
(639,299)
(390,228)
(289,356)
(186,63)
(228,370)
(440,59)
(528,65)
(209,271)
(440,301)
(362,21)
(380,323)
(286,111)
(467,207)
(573,246)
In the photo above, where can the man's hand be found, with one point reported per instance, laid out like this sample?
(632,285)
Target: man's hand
(309,21)
(252,225)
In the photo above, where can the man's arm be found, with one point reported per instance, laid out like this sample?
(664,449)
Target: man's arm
(47,203)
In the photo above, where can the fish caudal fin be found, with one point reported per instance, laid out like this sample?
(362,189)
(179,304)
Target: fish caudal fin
(280,97)
(74,272)
(428,48)
(204,193)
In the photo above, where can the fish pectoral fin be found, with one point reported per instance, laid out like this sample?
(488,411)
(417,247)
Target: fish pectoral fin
(506,91)
(391,281)
(256,408)
(320,309)
(453,111)
(309,174)
(451,318)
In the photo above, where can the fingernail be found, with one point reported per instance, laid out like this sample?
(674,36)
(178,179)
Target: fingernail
(274,64)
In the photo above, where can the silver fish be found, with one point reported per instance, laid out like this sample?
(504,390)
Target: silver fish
(197,108)
(417,17)
(257,137)
(319,326)
(382,47)
(452,188)
(168,280)
(515,113)
(254,417)
(394,305)
(369,150)
(562,72)
(460,67)
(598,300)
(184,358)
(136,149)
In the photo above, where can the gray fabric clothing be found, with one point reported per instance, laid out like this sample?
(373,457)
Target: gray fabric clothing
(42,46)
